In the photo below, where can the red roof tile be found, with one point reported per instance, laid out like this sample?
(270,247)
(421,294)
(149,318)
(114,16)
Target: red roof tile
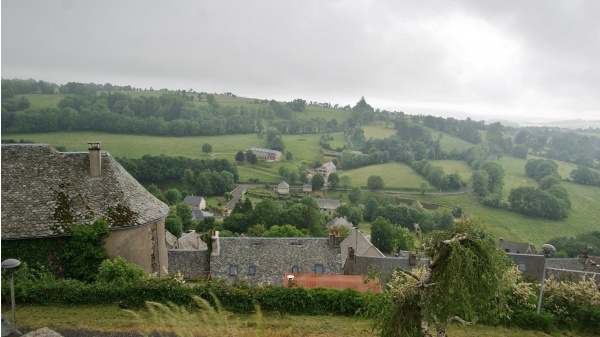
(334,281)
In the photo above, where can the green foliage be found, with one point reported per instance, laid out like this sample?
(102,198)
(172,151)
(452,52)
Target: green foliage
(375,183)
(184,212)
(36,253)
(381,234)
(355,194)
(317,182)
(174,225)
(84,252)
(173,196)
(284,231)
(118,272)
(206,148)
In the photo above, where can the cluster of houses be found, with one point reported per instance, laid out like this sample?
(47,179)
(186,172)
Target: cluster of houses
(44,191)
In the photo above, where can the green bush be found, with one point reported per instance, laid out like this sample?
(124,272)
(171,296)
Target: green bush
(119,272)
(528,319)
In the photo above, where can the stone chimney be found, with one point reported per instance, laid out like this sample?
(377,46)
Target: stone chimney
(95,159)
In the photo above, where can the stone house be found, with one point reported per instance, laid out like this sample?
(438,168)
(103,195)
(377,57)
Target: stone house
(44,192)
(283,188)
(257,260)
(266,154)
(195,202)
(325,170)
(307,188)
(328,206)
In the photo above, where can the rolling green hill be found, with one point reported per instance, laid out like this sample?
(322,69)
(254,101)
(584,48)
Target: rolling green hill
(306,149)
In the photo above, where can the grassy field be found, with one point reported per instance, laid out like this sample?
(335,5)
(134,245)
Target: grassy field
(379,131)
(113,319)
(582,217)
(395,175)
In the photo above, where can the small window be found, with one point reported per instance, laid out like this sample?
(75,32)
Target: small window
(252,270)
(318,269)
(522,266)
(295,269)
(233,270)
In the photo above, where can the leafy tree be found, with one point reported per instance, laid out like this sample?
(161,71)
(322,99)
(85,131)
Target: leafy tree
(584,175)
(240,157)
(370,209)
(333,180)
(84,252)
(173,196)
(184,212)
(345,182)
(464,279)
(375,183)
(495,176)
(285,231)
(293,177)
(382,235)
(174,225)
(206,225)
(351,212)
(253,159)
(256,231)
(317,181)
(289,156)
(206,148)
(480,180)
(118,272)
(156,192)
(355,195)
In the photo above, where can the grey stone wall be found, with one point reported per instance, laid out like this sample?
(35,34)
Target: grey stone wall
(383,267)
(272,258)
(191,263)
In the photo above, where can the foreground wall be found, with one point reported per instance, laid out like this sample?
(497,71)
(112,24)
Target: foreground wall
(143,245)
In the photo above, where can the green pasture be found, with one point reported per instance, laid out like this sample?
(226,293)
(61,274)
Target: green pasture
(379,131)
(452,166)
(135,146)
(42,100)
(304,147)
(338,140)
(449,143)
(395,176)
(583,216)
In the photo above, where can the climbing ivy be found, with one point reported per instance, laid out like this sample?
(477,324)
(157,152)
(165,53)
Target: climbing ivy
(84,252)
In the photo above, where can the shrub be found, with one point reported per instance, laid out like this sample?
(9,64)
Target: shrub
(119,272)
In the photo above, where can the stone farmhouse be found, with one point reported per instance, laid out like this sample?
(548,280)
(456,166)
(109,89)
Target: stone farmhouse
(325,170)
(266,154)
(328,206)
(195,202)
(283,188)
(45,191)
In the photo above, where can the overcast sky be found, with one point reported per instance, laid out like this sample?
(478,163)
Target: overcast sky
(505,57)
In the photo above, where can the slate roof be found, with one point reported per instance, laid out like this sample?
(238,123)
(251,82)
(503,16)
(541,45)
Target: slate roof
(328,203)
(193,200)
(517,247)
(200,214)
(191,240)
(337,222)
(44,191)
(330,166)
